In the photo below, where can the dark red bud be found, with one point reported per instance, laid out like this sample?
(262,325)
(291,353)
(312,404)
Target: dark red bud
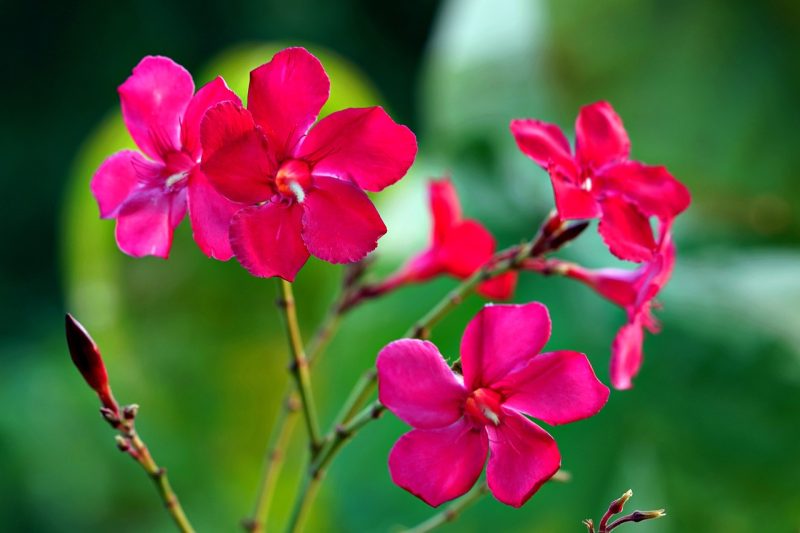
(617,505)
(86,357)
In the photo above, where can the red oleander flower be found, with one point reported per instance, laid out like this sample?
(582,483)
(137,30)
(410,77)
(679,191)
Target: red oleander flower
(634,291)
(458,420)
(458,247)
(301,185)
(87,359)
(148,192)
(599,180)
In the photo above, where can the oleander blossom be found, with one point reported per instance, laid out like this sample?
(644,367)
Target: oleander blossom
(600,180)
(149,192)
(301,185)
(458,420)
(458,247)
(634,291)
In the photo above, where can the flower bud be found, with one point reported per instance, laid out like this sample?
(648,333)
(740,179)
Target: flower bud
(617,505)
(638,516)
(86,358)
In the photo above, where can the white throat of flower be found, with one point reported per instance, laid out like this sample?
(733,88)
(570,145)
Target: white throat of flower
(298,191)
(176,178)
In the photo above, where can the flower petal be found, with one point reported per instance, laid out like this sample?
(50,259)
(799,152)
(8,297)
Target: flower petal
(210,214)
(466,248)
(544,143)
(266,240)
(501,338)
(600,137)
(363,145)
(236,158)
(210,94)
(445,207)
(499,287)
(340,224)
(417,385)
(285,97)
(653,189)
(118,177)
(153,100)
(626,355)
(437,465)
(572,201)
(522,457)
(147,220)
(555,387)
(626,231)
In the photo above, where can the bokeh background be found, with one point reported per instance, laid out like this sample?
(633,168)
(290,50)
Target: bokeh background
(708,88)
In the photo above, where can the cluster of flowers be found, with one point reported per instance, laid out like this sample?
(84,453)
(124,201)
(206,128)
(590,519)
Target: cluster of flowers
(270,185)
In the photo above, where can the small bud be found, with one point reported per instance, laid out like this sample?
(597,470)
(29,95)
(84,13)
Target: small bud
(129,411)
(123,444)
(110,416)
(638,516)
(589,523)
(617,505)
(86,357)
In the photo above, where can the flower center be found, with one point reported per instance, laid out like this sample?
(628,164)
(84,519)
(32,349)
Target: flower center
(293,178)
(483,407)
(178,166)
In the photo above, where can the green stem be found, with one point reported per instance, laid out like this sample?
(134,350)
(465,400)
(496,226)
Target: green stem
(451,512)
(299,365)
(273,460)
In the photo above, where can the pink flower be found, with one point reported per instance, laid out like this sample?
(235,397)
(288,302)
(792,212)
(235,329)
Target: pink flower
(458,420)
(458,247)
(634,291)
(600,181)
(148,192)
(301,187)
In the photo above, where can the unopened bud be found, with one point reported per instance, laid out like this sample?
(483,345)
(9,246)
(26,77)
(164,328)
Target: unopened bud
(638,516)
(123,444)
(617,505)
(86,357)
(589,523)
(129,411)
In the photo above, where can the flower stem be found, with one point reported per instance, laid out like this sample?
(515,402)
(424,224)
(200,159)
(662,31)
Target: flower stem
(273,460)
(451,512)
(299,365)
(130,442)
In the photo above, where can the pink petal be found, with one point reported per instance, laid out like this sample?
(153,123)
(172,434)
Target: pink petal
(626,231)
(614,284)
(572,201)
(417,385)
(118,177)
(556,387)
(600,137)
(437,465)
(499,287)
(361,145)
(501,338)
(154,99)
(653,189)
(266,240)
(236,158)
(522,457)
(544,143)
(445,207)
(626,355)
(147,220)
(210,214)
(210,94)
(340,224)
(465,248)
(285,97)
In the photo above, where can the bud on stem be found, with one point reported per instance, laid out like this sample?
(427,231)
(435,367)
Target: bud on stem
(86,358)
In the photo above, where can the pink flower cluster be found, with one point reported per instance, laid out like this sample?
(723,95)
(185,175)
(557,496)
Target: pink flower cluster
(264,183)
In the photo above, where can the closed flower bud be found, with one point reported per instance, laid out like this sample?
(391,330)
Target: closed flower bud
(86,357)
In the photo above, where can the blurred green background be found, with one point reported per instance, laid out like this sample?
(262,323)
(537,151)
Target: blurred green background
(708,88)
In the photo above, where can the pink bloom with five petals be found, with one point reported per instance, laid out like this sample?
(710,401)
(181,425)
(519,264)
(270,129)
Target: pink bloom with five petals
(634,291)
(459,420)
(148,192)
(301,185)
(599,180)
(458,247)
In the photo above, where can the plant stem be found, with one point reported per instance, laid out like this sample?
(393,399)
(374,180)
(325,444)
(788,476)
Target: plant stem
(299,365)
(131,443)
(273,460)
(451,512)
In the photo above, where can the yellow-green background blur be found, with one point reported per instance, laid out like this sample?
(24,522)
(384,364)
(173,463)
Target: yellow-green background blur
(711,430)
